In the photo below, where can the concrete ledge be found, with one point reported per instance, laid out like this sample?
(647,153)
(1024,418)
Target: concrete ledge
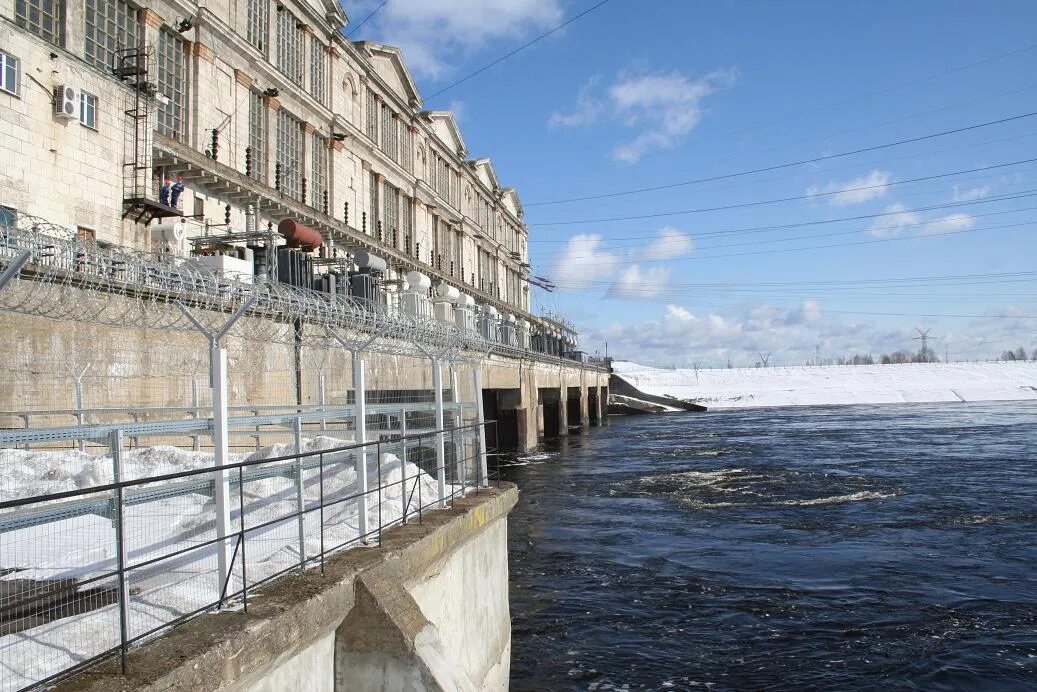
(235,650)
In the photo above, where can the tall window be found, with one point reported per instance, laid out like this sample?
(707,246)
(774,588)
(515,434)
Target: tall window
(319,171)
(257,135)
(407,222)
(389,139)
(318,70)
(372,212)
(257,16)
(110,26)
(45,18)
(8,216)
(289,153)
(9,73)
(172,83)
(392,213)
(406,143)
(289,44)
(372,116)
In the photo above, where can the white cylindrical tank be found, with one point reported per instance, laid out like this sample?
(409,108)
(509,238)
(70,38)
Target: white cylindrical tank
(169,232)
(446,292)
(365,260)
(416,281)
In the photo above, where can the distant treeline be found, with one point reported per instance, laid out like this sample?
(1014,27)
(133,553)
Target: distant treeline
(924,356)
(1018,354)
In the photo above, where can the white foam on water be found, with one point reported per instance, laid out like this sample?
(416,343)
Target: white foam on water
(839,499)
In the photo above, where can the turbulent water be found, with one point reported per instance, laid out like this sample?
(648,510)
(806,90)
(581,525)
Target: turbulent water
(845,548)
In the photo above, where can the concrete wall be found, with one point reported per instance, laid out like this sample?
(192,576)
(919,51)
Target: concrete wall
(466,597)
(428,610)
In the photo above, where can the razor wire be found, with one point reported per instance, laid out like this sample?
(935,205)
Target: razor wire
(66,278)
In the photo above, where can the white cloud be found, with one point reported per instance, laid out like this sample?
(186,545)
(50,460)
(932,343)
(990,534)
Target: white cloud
(670,244)
(583,262)
(897,218)
(664,107)
(809,311)
(589,108)
(433,34)
(856,191)
(971,193)
(458,109)
(739,333)
(635,283)
(949,224)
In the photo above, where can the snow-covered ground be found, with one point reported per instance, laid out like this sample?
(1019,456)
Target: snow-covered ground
(84,546)
(838,384)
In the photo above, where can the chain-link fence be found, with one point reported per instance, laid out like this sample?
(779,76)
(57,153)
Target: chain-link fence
(171,439)
(159,536)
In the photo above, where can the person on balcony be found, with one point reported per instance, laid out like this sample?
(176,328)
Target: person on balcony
(175,191)
(163,192)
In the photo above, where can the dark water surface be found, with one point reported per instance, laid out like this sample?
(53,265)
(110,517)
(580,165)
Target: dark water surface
(845,548)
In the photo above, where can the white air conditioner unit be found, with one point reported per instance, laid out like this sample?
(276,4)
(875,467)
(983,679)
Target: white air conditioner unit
(66,102)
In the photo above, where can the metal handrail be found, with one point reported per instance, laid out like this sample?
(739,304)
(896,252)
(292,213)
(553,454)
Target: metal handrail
(151,562)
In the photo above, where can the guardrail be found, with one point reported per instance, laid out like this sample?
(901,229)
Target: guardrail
(121,562)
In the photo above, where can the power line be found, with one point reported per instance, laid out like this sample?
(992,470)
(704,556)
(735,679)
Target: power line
(921,224)
(743,205)
(517,50)
(790,164)
(364,21)
(823,222)
(835,245)
(892,282)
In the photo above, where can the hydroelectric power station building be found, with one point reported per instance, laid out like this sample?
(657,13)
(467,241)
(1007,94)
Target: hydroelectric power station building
(257,305)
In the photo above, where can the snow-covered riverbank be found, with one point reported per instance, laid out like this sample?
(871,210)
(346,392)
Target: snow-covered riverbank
(842,384)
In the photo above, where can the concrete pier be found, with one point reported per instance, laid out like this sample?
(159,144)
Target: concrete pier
(428,610)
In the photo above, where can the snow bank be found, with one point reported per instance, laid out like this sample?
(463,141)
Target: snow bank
(82,547)
(842,384)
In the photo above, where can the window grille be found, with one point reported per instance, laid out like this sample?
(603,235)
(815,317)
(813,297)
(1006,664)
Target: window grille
(45,18)
(109,26)
(372,214)
(406,144)
(289,44)
(372,116)
(319,171)
(289,153)
(171,78)
(258,23)
(392,206)
(9,73)
(257,135)
(318,70)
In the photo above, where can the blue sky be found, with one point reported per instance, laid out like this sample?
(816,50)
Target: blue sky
(649,93)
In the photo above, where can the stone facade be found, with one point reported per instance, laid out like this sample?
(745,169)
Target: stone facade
(272,94)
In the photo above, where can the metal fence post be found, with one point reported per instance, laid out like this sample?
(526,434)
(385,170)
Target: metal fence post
(80,414)
(322,398)
(403,462)
(300,504)
(122,552)
(481,421)
(221,452)
(458,421)
(437,385)
(197,444)
(359,387)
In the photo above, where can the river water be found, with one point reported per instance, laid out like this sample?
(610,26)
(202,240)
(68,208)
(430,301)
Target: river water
(845,548)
